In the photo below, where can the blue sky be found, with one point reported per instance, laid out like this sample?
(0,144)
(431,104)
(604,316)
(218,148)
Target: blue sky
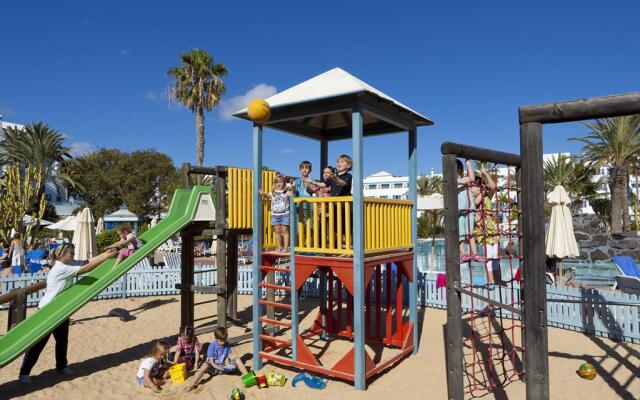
(97,70)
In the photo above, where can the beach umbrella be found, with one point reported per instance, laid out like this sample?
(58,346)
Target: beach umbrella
(67,224)
(100,226)
(84,237)
(27,219)
(560,241)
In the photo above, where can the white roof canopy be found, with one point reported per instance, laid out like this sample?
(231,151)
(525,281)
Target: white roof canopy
(321,106)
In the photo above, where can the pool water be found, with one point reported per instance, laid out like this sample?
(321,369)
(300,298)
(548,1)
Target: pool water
(586,273)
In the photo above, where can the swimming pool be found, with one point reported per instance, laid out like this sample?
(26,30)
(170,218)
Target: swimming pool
(586,273)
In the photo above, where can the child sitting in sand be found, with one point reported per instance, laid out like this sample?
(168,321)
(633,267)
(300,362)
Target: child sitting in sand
(220,359)
(152,371)
(188,348)
(126,238)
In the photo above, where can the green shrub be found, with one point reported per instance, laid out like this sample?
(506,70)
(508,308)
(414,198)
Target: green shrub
(106,238)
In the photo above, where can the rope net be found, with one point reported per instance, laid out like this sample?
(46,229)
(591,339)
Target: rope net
(490,259)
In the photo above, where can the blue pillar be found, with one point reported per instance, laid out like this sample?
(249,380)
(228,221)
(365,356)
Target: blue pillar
(257,244)
(324,161)
(413,196)
(358,251)
(293,225)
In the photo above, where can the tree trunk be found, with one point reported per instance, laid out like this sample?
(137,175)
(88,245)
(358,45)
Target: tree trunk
(626,219)
(618,200)
(637,202)
(199,136)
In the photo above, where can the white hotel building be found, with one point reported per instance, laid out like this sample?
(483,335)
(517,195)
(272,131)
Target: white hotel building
(383,185)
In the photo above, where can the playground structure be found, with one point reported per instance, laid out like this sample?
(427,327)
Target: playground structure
(233,205)
(528,313)
(374,237)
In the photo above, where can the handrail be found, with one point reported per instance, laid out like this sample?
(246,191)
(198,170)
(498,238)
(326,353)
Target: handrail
(325,225)
(27,290)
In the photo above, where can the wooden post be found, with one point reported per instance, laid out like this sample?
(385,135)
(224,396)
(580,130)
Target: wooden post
(186,294)
(413,196)
(358,250)
(533,264)
(232,275)
(17,309)
(293,224)
(186,181)
(453,341)
(257,244)
(221,251)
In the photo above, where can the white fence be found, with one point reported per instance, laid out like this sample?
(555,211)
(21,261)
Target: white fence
(617,321)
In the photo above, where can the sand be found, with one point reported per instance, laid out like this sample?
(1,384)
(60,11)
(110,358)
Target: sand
(105,353)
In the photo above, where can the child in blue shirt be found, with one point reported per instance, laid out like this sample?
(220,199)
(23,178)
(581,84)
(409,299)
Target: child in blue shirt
(220,359)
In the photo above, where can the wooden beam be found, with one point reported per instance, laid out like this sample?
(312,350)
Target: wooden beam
(311,108)
(386,112)
(371,129)
(453,339)
(186,295)
(480,154)
(201,288)
(533,263)
(298,129)
(578,110)
(256,311)
(358,251)
(221,251)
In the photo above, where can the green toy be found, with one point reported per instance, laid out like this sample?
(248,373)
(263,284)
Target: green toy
(236,394)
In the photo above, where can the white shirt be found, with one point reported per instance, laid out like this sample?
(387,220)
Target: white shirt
(148,363)
(60,277)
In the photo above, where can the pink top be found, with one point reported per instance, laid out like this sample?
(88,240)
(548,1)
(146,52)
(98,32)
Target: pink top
(185,347)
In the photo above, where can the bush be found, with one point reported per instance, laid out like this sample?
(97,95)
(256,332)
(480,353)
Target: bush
(106,238)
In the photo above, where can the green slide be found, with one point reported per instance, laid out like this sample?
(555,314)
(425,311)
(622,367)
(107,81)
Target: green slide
(188,205)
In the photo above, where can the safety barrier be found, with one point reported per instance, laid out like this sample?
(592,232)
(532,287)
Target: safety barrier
(600,313)
(240,202)
(325,225)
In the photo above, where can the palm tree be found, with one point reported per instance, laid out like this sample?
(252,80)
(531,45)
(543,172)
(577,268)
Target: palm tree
(198,86)
(36,145)
(614,142)
(428,185)
(574,175)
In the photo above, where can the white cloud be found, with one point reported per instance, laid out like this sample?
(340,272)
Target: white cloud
(7,112)
(80,148)
(153,95)
(228,106)
(286,151)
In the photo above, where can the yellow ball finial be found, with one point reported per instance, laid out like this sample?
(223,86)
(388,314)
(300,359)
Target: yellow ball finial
(258,110)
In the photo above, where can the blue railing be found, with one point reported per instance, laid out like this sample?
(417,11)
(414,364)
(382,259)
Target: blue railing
(587,314)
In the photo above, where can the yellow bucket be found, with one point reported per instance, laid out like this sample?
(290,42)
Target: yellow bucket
(178,373)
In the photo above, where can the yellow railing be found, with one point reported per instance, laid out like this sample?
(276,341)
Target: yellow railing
(240,202)
(387,225)
(325,225)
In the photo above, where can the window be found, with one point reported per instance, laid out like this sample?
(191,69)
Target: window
(384,186)
(373,186)
(397,185)
(396,196)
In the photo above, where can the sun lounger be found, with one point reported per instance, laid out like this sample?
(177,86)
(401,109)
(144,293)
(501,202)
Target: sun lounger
(629,279)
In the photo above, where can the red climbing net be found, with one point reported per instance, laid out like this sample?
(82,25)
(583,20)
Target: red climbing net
(490,260)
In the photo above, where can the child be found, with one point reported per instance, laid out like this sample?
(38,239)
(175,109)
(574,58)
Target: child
(343,178)
(466,206)
(327,185)
(301,185)
(220,359)
(17,253)
(188,348)
(279,197)
(126,238)
(152,372)
(485,231)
